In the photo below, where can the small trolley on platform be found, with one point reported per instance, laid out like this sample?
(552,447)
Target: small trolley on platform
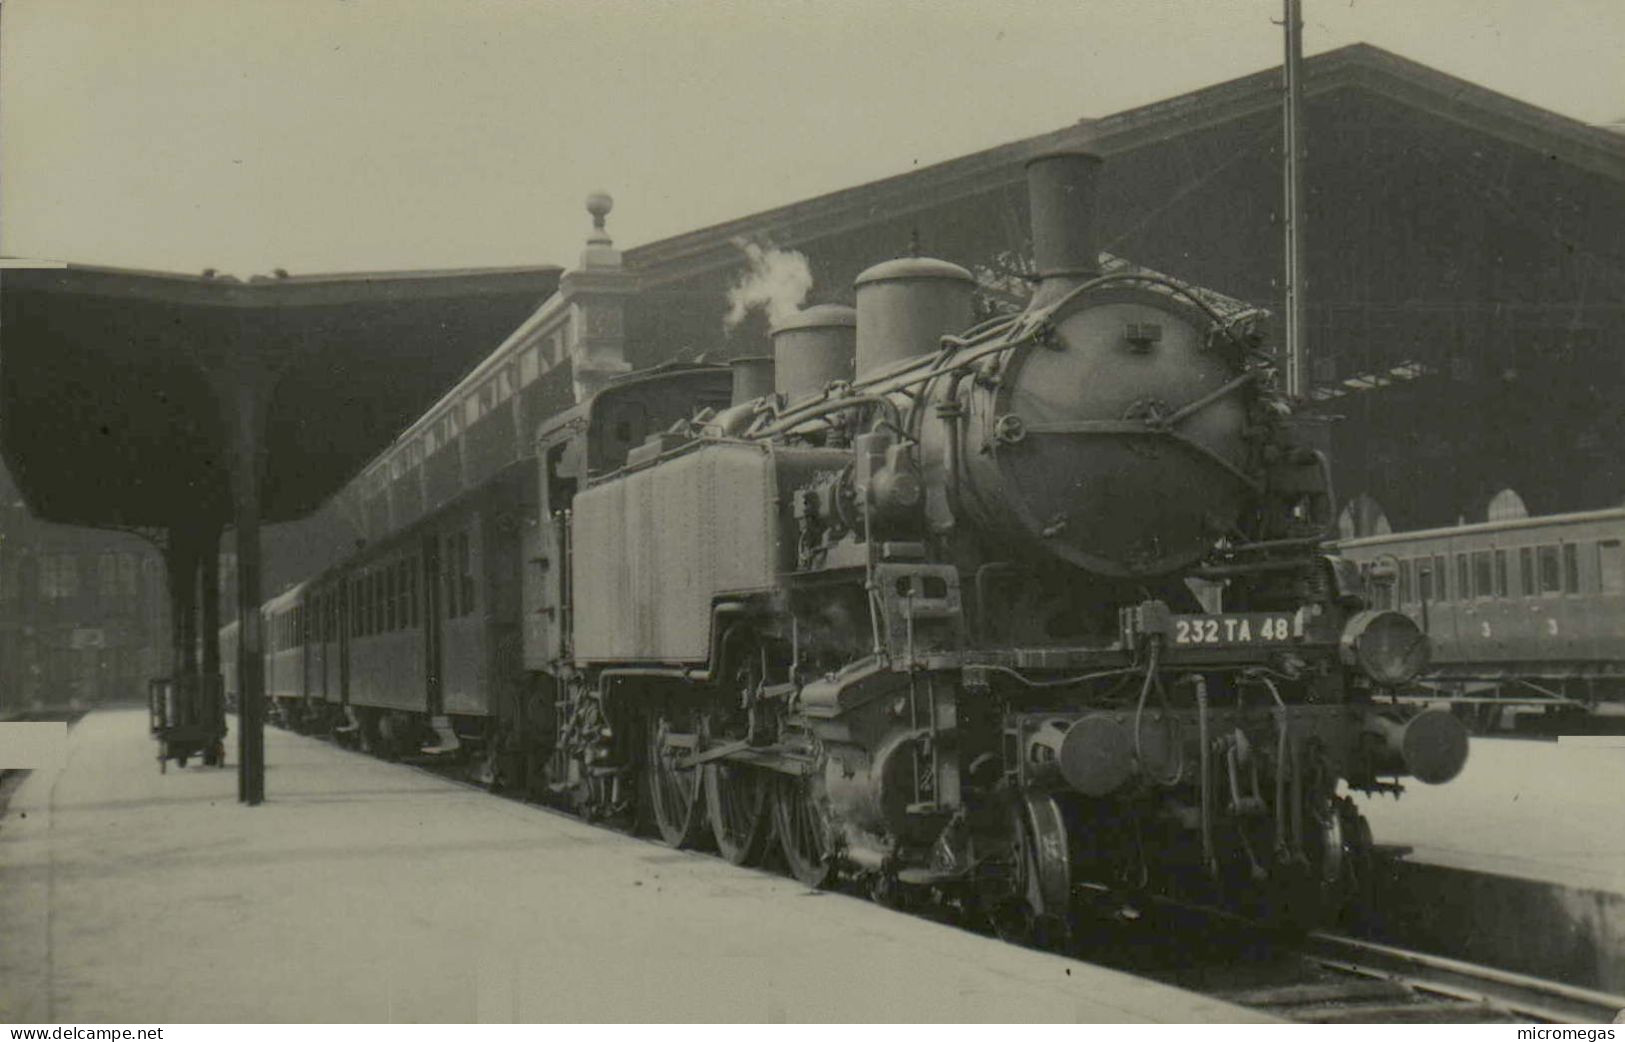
(188,718)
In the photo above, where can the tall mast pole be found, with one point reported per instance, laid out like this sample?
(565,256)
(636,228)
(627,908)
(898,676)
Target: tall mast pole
(1292,152)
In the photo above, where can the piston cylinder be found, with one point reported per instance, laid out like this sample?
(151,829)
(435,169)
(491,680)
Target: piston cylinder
(906,306)
(812,348)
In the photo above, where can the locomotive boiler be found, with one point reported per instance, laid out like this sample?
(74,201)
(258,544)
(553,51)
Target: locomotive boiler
(1029,615)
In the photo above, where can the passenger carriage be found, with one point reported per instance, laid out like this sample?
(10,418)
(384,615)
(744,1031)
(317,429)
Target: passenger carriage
(1526,613)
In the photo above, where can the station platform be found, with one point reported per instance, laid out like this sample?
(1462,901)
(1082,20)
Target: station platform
(1538,809)
(1518,863)
(363,891)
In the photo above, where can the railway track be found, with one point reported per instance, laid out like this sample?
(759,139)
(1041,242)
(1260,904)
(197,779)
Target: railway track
(1332,978)
(1345,980)
(1322,978)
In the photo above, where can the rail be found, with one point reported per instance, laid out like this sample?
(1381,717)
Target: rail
(1453,984)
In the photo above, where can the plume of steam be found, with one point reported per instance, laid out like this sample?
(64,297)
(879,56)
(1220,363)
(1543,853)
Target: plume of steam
(777,281)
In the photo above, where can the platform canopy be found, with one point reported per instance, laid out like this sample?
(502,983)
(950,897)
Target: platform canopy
(111,381)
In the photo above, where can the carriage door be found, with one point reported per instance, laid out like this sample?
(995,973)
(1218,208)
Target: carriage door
(432,622)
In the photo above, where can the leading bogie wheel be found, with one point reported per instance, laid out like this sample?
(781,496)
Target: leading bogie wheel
(737,804)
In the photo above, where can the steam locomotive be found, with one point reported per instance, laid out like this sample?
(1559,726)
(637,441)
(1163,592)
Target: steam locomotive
(1029,615)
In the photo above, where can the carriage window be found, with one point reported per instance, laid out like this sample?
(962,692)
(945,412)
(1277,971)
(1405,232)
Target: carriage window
(1424,579)
(448,568)
(412,589)
(1464,578)
(1526,571)
(1571,568)
(1483,574)
(1441,579)
(389,598)
(1551,572)
(1611,566)
(403,598)
(1404,582)
(378,602)
(466,569)
(1500,573)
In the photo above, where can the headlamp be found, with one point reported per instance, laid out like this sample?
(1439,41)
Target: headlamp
(1386,646)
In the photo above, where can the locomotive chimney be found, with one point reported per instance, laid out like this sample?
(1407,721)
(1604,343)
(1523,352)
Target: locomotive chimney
(753,378)
(1061,190)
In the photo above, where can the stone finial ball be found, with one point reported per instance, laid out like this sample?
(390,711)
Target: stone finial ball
(599,204)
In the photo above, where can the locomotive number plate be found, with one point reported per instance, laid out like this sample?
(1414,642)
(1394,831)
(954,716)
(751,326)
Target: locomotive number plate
(1237,628)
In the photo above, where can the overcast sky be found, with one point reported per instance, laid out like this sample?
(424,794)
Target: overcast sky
(332,135)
